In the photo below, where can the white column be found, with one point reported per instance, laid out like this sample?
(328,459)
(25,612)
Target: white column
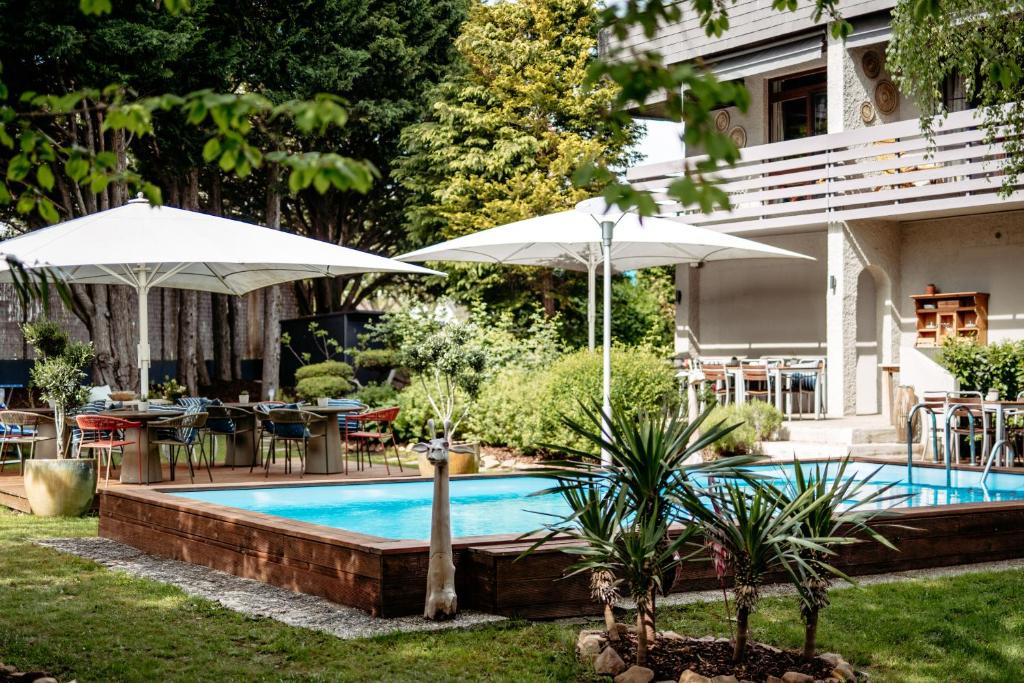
(841,323)
(836,57)
(687,334)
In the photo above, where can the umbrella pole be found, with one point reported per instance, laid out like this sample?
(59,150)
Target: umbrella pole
(591,301)
(143,289)
(607,228)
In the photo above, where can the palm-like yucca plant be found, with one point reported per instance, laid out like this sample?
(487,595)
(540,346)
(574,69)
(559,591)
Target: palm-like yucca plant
(648,462)
(831,511)
(753,528)
(638,553)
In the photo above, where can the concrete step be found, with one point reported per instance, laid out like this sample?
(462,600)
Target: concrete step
(822,432)
(787,450)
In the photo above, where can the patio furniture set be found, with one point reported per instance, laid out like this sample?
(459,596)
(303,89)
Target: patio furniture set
(320,436)
(796,386)
(962,419)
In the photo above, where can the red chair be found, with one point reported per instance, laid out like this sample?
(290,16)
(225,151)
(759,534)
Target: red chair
(375,425)
(102,432)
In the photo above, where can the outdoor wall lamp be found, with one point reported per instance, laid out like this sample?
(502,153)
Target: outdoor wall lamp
(832,283)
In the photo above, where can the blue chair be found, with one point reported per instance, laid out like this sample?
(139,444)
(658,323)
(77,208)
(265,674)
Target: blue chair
(294,427)
(182,432)
(230,422)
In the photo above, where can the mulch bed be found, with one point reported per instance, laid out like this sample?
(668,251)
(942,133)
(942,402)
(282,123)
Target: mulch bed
(670,657)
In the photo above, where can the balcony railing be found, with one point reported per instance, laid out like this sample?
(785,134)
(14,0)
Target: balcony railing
(885,171)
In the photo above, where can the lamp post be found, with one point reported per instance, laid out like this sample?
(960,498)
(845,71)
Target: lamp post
(607,229)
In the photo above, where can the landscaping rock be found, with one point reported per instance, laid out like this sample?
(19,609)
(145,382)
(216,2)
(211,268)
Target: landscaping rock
(45,679)
(773,679)
(671,635)
(796,677)
(723,678)
(589,645)
(844,672)
(609,663)
(635,674)
(831,657)
(691,676)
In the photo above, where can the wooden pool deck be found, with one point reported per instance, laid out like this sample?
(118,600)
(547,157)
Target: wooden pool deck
(12,490)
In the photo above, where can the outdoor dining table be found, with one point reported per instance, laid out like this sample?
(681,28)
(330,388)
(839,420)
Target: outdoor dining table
(149,471)
(321,457)
(1000,409)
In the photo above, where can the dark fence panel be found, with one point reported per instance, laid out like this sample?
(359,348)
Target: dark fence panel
(344,327)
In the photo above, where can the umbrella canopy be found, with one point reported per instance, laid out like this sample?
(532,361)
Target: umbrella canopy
(596,236)
(145,246)
(572,240)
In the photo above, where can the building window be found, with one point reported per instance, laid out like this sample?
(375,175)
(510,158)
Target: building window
(954,93)
(798,106)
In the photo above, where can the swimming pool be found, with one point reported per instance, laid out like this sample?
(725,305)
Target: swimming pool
(504,505)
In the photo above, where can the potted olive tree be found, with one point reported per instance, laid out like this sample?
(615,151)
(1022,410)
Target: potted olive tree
(450,366)
(63,486)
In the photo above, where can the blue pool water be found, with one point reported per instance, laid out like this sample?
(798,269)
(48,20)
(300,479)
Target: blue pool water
(503,505)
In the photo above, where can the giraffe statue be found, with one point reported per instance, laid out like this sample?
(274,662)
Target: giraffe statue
(442,602)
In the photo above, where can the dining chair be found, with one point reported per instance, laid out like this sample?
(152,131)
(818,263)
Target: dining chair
(21,429)
(230,422)
(261,412)
(105,433)
(294,427)
(376,426)
(754,376)
(718,376)
(967,420)
(178,433)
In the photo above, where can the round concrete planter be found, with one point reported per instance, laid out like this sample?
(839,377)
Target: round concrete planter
(458,463)
(60,488)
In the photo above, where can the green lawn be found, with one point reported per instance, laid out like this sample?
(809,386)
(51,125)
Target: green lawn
(81,621)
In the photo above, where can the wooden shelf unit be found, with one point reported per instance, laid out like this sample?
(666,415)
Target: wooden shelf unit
(955,314)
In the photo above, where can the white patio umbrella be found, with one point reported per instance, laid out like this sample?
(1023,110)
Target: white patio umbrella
(144,246)
(582,239)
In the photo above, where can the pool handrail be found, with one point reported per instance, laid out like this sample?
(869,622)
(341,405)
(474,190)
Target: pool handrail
(929,408)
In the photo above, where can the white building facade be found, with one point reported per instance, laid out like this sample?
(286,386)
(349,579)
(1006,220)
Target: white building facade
(834,166)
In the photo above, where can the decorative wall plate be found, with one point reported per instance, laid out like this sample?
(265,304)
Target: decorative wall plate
(722,120)
(739,136)
(871,64)
(867,111)
(887,98)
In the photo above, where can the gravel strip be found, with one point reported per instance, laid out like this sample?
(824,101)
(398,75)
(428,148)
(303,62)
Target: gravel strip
(251,597)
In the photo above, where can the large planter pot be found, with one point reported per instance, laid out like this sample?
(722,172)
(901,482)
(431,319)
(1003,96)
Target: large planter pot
(60,488)
(458,463)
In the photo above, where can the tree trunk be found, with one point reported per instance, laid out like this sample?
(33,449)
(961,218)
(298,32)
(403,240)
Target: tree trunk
(272,299)
(221,338)
(649,625)
(641,636)
(239,335)
(810,633)
(609,622)
(739,652)
(187,327)
(442,602)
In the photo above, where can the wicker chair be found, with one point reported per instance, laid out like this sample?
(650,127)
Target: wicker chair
(20,429)
(377,426)
(230,422)
(181,432)
(104,433)
(293,427)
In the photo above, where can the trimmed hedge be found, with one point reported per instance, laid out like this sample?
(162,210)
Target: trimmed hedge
(328,368)
(329,379)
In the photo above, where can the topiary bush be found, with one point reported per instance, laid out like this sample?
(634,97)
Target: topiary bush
(376,359)
(327,386)
(642,381)
(328,368)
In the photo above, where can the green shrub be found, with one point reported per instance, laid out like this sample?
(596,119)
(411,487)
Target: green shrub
(46,337)
(331,386)
(377,359)
(759,421)
(642,381)
(377,395)
(998,366)
(328,368)
(506,411)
